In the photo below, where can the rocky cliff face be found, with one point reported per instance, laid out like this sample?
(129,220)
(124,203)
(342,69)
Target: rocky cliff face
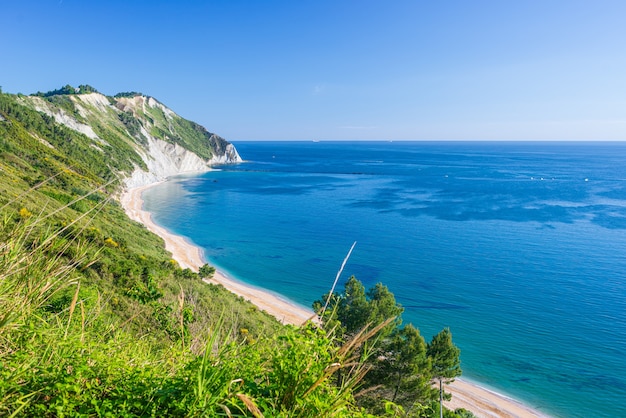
(164,159)
(166,143)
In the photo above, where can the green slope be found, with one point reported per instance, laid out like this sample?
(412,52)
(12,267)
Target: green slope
(95,317)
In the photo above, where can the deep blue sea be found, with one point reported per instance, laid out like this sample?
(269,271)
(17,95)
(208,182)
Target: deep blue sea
(519,248)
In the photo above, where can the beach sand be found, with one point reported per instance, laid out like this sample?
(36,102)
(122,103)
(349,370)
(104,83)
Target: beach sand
(189,256)
(485,403)
(480,401)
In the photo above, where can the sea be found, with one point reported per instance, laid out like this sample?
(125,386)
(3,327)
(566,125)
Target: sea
(518,247)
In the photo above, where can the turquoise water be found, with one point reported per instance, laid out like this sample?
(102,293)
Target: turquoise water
(519,248)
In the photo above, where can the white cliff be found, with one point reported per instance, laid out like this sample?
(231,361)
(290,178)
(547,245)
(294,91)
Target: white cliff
(100,117)
(61,116)
(165,159)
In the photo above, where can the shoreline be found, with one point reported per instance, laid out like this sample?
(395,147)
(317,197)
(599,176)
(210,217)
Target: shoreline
(487,403)
(190,256)
(482,402)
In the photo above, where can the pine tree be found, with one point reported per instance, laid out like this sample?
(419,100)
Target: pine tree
(446,362)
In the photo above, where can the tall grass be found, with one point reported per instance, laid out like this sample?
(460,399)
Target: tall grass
(33,267)
(76,361)
(36,263)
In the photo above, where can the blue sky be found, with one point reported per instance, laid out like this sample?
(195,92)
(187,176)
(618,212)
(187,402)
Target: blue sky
(299,69)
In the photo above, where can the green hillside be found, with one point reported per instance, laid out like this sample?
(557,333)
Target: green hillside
(96,319)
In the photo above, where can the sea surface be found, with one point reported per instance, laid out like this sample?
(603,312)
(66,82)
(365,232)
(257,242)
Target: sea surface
(518,247)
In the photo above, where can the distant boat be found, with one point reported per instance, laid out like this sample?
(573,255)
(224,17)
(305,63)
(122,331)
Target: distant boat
(316,140)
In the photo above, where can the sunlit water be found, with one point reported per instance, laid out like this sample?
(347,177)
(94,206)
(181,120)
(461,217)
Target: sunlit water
(519,248)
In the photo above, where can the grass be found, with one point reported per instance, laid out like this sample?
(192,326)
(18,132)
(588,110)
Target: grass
(75,344)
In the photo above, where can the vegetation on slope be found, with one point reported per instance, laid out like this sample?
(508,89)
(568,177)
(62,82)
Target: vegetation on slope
(97,320)
(75,357)
(134,112)
(52,179)
(401,365)
(164,124)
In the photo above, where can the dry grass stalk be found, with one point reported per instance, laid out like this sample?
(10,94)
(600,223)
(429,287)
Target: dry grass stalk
(332,289)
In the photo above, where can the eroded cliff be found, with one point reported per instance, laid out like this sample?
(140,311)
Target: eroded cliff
(152,141)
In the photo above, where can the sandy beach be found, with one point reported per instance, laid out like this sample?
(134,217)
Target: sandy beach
(485,403)
(480,401)
(189,256)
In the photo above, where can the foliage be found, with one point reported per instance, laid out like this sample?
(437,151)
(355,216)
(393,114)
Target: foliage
(445,356)
(355,308)
(403,369)
(59,227)
(95,319)
(42,149)
(67,89)
(401,366)
(131,123)
(75,360)
(86,88)
(127,94)
(206,271)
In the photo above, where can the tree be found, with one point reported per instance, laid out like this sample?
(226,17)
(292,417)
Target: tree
(86,88)
(401,365)
(206,271)
(402,370)
(355,308)
(383,305)
(446,362)
(127,94)
(410,364)
(397,362)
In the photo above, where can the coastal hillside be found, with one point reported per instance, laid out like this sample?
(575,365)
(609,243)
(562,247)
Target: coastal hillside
(70,254)
(98,319)
(65,157)
(138,138)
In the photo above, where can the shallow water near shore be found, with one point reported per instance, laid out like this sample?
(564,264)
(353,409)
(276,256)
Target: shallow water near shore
(519,248)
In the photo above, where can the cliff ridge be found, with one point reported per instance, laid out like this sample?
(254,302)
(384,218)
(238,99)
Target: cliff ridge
(161,143)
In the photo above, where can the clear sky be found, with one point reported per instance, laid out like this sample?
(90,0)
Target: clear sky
(332,69)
